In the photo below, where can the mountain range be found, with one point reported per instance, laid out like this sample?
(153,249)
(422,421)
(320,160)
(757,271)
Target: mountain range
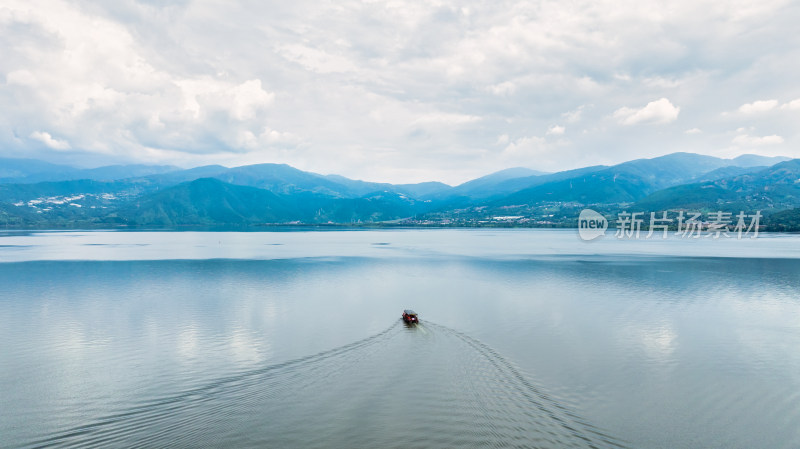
(37,194)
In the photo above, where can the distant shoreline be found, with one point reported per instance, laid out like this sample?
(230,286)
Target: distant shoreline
(305,227)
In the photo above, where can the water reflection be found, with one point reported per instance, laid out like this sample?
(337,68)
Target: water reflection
(305,351)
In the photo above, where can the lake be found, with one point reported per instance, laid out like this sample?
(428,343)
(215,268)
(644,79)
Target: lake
(528,338)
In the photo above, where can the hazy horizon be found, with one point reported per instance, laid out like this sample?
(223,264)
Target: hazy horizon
(177,167)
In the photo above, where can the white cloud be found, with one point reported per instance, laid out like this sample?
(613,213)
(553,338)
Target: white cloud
(623,77)
(503,89)
(758,106)
(48,140)
(525,147)
(575,115)
(316,60)
(240,101)
(693,131)
(399,91)
(794,104)
(656,112)
(443,118)
(745,140)
(268,138)
(662,82)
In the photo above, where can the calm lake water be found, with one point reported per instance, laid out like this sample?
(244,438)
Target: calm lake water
(529,338)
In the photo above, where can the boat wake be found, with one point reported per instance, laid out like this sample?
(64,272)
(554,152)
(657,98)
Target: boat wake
(406,386)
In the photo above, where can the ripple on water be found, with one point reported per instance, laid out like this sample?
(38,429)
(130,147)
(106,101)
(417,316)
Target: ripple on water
(420,386)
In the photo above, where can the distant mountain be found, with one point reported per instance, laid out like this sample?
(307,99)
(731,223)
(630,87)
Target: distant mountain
(359,188)
(622,183)
(208,201)
(11,193)
(115,172)
(499,176)
(16,170)
(648,174)
(729,172)
(179,176)
(776,187)
(516,184)
(282,178)
(514,172)
(372,208)
(422,189)
(61,204)
(754,160)
(486,186)
(32,171)
(669,170)
(596,187)
(353,187)
(165,199)
(146,195)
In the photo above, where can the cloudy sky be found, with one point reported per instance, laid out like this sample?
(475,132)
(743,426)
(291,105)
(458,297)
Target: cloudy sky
(396,90)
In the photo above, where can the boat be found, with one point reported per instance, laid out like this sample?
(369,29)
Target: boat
(409,316)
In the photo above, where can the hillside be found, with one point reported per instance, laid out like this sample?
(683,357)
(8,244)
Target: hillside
(784,221)
(278,193)
(209,201)
(776,188)
(30,171)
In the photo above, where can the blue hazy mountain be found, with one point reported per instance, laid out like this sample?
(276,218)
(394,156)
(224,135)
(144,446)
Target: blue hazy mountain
(16,170)
(115,172)
(513,185)
(282,178)
(772,188)
(33,171)
(12,193)
(422,189)
(278,193)
(419,190)
(729,172)
(487,186)
(619,183)
(176,177)
(62,204)
(209,201)
(622,183)
(206,201)
(285,179)
(279,178)
(754,160)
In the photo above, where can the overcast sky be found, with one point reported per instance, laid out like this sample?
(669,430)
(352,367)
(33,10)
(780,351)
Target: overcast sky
(399,91)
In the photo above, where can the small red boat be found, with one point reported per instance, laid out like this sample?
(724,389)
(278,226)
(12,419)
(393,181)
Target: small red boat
(409,316)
